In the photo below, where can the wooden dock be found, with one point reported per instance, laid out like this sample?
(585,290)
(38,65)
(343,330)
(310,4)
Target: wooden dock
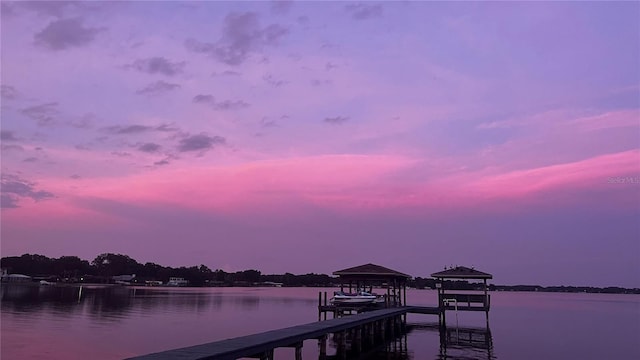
(262,345)
(373,323)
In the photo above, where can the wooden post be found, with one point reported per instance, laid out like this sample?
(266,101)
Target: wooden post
(486,302)
(341,343)
(325,304)
(299,351)
(388,299)
(404,289)
(394,293)
(392,328)
(267,355)
(357,338)
(322,346)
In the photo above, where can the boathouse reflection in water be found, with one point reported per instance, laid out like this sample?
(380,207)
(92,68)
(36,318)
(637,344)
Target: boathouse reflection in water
(467,343)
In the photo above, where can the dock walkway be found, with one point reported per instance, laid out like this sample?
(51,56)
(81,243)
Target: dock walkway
(256,344)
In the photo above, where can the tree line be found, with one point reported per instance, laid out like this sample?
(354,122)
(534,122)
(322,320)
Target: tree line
(105,266)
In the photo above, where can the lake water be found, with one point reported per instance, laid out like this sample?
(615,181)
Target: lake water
(118,322)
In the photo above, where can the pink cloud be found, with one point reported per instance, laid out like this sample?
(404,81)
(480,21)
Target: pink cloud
(614,119)
(339,183)
(590,174)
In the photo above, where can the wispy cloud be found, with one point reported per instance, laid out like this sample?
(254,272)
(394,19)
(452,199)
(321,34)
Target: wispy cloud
(200,142)
(281,6)
(337,120)
(267,123)
(271,80)
(166,128)
(137,129)
(6,135)
(43,114)
(14,188)
(121,154)
(204,99)
(9,92)
(50,8)
(220,105)
(157,65)
(157,88)
(230,105)
(227,73)
(317,82)
(149,147)
(330,66)
(364,11)
(11,147)
(242,34)
(128,129)
(85,121)
(66,33)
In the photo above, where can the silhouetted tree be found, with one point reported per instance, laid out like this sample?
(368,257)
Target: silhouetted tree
(115,264)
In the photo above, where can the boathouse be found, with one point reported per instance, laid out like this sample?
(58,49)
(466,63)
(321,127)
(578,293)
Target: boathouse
(366,277)
(463,296)
(370,275)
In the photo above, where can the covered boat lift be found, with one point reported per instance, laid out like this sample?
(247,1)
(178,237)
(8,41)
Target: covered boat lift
(464,300)
(369,275)
(366,277)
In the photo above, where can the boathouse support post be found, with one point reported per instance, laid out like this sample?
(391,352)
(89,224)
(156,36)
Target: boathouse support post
(487,303)
(320,306)
(404,290)
(388,298)
(325,304)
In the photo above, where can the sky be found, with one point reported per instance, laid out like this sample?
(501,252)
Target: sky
(314,136)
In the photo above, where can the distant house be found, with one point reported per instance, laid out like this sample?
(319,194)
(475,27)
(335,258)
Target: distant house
(14,278)
(123,279)
(177,281)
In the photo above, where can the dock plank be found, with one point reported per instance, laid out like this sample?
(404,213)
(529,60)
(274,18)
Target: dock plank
(259,343)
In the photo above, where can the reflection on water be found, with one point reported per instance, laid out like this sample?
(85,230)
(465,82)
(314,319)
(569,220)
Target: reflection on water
(395,348)
(102,309)
(466,343)
(101,322)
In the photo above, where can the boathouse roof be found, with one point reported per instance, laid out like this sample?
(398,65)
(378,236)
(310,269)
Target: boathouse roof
(461,272)
(371,270)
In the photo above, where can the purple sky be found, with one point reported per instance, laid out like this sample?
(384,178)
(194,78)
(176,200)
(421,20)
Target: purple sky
(310,137)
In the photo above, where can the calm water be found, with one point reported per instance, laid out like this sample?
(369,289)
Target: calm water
(113,323)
